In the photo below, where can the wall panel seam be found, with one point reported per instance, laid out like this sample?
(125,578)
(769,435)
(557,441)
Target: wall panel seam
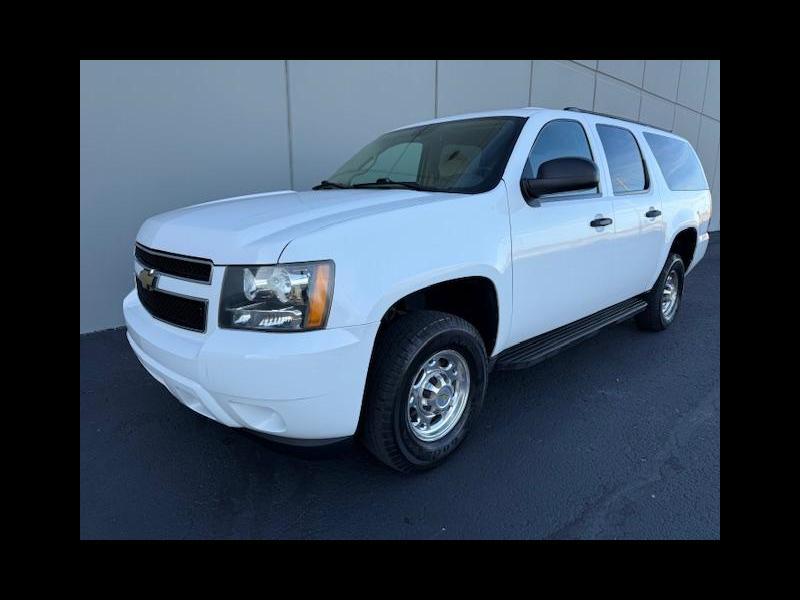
(289,123)
(705,88)
(530,85)
(659,96)
(639,113)
(642,89)
(716,160)
(435,89)
(674,117)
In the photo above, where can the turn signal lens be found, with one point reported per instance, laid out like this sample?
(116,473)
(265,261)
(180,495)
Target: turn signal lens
(319,303)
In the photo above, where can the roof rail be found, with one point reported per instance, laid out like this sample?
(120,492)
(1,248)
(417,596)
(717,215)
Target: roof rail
(600,114)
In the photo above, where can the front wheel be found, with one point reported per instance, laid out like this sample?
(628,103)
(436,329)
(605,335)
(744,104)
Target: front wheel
(664,300)
(424,389)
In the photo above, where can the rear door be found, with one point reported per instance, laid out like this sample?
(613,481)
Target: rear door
(637,200)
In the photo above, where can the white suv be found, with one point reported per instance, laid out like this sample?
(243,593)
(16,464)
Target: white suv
(377,303)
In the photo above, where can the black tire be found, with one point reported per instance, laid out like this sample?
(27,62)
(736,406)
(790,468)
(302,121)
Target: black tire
(652,318)
(399,353)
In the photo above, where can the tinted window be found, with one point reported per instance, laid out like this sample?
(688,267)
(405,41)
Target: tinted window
(456,158)
(467,155)
(558,139)
(624,159)
(399,162)
(677,162)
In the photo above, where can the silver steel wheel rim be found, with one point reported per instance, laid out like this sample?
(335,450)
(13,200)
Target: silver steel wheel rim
(438,396)
(669,296)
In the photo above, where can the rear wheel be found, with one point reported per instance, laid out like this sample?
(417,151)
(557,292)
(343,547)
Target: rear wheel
(664,300)
(424,389)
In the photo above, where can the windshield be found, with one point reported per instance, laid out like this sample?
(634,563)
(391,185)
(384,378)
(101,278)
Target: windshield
(465,156)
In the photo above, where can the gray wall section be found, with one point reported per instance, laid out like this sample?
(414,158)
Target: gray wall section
(158,135)
(661,78)
(337,107)
(560,83)
(465,86)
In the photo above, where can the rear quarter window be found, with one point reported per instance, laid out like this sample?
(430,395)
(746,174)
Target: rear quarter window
(678,163)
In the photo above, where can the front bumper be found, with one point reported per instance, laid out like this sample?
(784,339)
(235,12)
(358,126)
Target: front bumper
(298,386)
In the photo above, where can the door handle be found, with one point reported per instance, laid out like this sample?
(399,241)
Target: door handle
(652,213)
(601,222)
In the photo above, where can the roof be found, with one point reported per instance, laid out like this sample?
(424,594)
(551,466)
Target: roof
(532,110)
(508,112)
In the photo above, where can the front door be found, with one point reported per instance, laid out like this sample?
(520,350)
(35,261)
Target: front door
(563,260)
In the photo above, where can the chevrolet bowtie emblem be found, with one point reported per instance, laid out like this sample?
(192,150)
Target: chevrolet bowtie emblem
(148,278)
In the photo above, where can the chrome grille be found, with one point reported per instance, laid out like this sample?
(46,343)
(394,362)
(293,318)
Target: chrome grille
(175,265)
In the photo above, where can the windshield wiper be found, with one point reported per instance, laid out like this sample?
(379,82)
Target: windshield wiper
(413,185)
(326,185)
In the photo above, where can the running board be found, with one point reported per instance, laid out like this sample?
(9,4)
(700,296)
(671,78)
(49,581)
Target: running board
(534,350)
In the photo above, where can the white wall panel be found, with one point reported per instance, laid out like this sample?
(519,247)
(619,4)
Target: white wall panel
(715,200)
(158,135)
(616,98)
(630,71)
(692,84)
(711,102)
(475,85)
(557,84)
(339,106)
(655,111)
(661,78)
(687,124)
(708,145)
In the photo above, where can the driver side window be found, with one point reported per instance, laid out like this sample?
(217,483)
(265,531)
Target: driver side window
(558,139)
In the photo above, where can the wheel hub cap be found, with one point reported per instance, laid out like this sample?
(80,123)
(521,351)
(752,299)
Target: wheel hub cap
(669,296)
(438,395)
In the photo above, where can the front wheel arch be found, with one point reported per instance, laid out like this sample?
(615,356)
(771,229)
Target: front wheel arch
(473,299)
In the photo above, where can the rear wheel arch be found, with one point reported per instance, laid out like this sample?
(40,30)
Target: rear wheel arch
(683,244)
(653,318)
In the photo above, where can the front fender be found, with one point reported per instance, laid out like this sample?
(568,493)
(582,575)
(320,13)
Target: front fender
(385,256)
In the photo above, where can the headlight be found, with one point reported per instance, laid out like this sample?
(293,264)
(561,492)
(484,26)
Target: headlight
(291,297)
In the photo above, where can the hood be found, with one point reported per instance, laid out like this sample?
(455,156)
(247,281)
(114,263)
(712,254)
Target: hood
(255,229)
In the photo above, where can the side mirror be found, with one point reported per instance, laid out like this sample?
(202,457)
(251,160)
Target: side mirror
(561,175)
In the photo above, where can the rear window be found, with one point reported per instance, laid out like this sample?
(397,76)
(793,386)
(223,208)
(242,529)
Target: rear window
(678,164)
